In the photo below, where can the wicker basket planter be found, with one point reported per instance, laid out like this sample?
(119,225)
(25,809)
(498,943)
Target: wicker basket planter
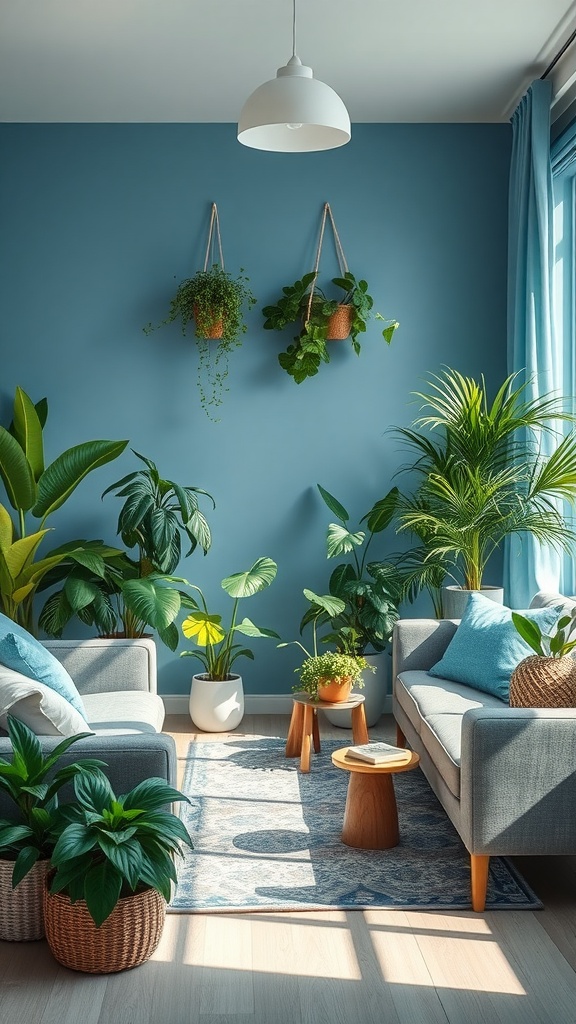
(21,915)
(127,938)
(340,323)
(539,682)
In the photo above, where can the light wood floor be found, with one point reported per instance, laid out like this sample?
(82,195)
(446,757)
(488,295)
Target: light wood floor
(372,967)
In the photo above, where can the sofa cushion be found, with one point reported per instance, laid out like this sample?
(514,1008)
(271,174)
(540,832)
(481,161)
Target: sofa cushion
(43,710)
(421,695)
(124,712)
(442,737)
(486,647)
(20,651)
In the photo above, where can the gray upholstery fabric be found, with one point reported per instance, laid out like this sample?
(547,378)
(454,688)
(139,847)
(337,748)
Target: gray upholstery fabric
(100,666)
(546,599)
(514,769)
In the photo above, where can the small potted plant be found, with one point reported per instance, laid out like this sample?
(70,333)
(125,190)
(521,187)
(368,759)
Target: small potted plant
(547,678)
(113,867)
(216,695)
(214,301)
(321,320)
(329,676)
(31,780)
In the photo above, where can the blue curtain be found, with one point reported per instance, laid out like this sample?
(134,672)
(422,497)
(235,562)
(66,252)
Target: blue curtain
(527,566)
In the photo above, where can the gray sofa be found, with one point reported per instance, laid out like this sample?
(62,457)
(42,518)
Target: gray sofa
(117,681)
(505,776)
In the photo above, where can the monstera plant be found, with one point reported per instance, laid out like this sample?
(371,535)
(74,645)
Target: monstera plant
(36,490)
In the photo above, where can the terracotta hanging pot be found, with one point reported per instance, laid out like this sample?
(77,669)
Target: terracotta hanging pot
(208,327)
(340,323)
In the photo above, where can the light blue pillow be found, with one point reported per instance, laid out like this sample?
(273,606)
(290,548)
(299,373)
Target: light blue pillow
(23,653)
(486,647)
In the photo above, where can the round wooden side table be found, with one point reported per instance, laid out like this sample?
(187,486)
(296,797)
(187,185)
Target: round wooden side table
(371,814)
(304,732)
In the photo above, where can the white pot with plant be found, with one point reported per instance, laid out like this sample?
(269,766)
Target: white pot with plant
(217,694)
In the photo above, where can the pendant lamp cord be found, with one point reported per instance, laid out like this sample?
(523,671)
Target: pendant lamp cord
(293,28)
(213,236)
(327,212)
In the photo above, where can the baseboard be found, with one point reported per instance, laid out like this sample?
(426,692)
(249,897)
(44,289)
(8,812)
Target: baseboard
(254,704)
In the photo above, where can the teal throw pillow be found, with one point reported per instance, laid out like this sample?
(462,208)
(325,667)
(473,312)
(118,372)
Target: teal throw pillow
(23,653)
(486,647)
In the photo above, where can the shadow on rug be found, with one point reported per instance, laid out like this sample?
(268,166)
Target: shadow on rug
(267,837)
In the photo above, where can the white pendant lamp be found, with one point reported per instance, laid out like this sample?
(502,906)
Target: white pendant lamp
(294,112)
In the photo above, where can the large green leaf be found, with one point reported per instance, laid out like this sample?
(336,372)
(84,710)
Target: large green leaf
(21,552)
(28,432)
(154,604)
(258,577)
(16,473)
(25,860)
(6,529)
(340,541)
(151,795)
(62,477)
(204,629)
(102,887)
(249,629)
(382,512)
(331,605)
(334,505)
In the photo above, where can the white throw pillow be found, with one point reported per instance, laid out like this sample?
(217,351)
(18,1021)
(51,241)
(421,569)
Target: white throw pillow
(43,710)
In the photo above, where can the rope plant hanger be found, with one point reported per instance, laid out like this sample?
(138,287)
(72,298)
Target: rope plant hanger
(214,301)
(322,319)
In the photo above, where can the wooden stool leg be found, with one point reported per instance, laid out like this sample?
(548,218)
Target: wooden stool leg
(307,738)
(315,731)
(359,727)
(371,816)
(479,879)
(400,737)
(294,741)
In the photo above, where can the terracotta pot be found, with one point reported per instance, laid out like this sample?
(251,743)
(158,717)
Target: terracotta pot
(125,939)
(212,329)
(339,324)
(335,691)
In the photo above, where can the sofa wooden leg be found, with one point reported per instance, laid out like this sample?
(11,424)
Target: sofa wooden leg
(479,880)
(400,737)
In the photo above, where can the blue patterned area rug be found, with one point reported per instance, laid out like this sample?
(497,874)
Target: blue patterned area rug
(267,837)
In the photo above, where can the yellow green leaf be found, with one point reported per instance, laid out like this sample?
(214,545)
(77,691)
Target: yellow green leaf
(204,629)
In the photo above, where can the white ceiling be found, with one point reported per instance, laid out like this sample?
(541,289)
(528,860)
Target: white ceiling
(198,60)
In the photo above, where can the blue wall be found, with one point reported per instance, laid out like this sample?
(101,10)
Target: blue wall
(99,225)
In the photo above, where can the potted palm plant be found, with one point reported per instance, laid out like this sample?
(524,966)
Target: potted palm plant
(113,868)
(482,478)
(214,301)
(31,781)
(124,596)
(320,319)
(217,695)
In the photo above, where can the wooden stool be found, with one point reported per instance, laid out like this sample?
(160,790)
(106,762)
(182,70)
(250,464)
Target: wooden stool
(303,731)
(371,814)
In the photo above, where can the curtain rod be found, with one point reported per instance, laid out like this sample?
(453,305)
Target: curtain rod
(560,54)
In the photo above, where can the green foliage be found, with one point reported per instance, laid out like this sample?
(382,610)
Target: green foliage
(330,666)
(111,846)
(32,781)
(482,477)
(207,631)
(369,592)
(302,359)
(555,645)
(210,297)
(39,491)
(124,595)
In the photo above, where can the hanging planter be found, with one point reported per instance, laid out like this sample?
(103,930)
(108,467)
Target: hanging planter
(214,301)
(322,319)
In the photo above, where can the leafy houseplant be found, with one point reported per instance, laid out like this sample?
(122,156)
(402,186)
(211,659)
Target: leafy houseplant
(31,781)
(299,305)
(219,650)
(330,675)
(135,593)
(113,853)
(39,490)
(215,301)
(482,476)
(548,677)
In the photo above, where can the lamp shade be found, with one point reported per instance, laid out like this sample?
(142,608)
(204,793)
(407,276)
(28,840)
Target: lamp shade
(294,113)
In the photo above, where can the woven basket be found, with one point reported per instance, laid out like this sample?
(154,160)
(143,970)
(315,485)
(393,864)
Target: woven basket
(127,938)
(21,916)
(339,324)
(539,682)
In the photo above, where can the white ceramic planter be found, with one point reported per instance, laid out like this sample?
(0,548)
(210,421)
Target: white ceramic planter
(216,706)
(454,599)
(374,693)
